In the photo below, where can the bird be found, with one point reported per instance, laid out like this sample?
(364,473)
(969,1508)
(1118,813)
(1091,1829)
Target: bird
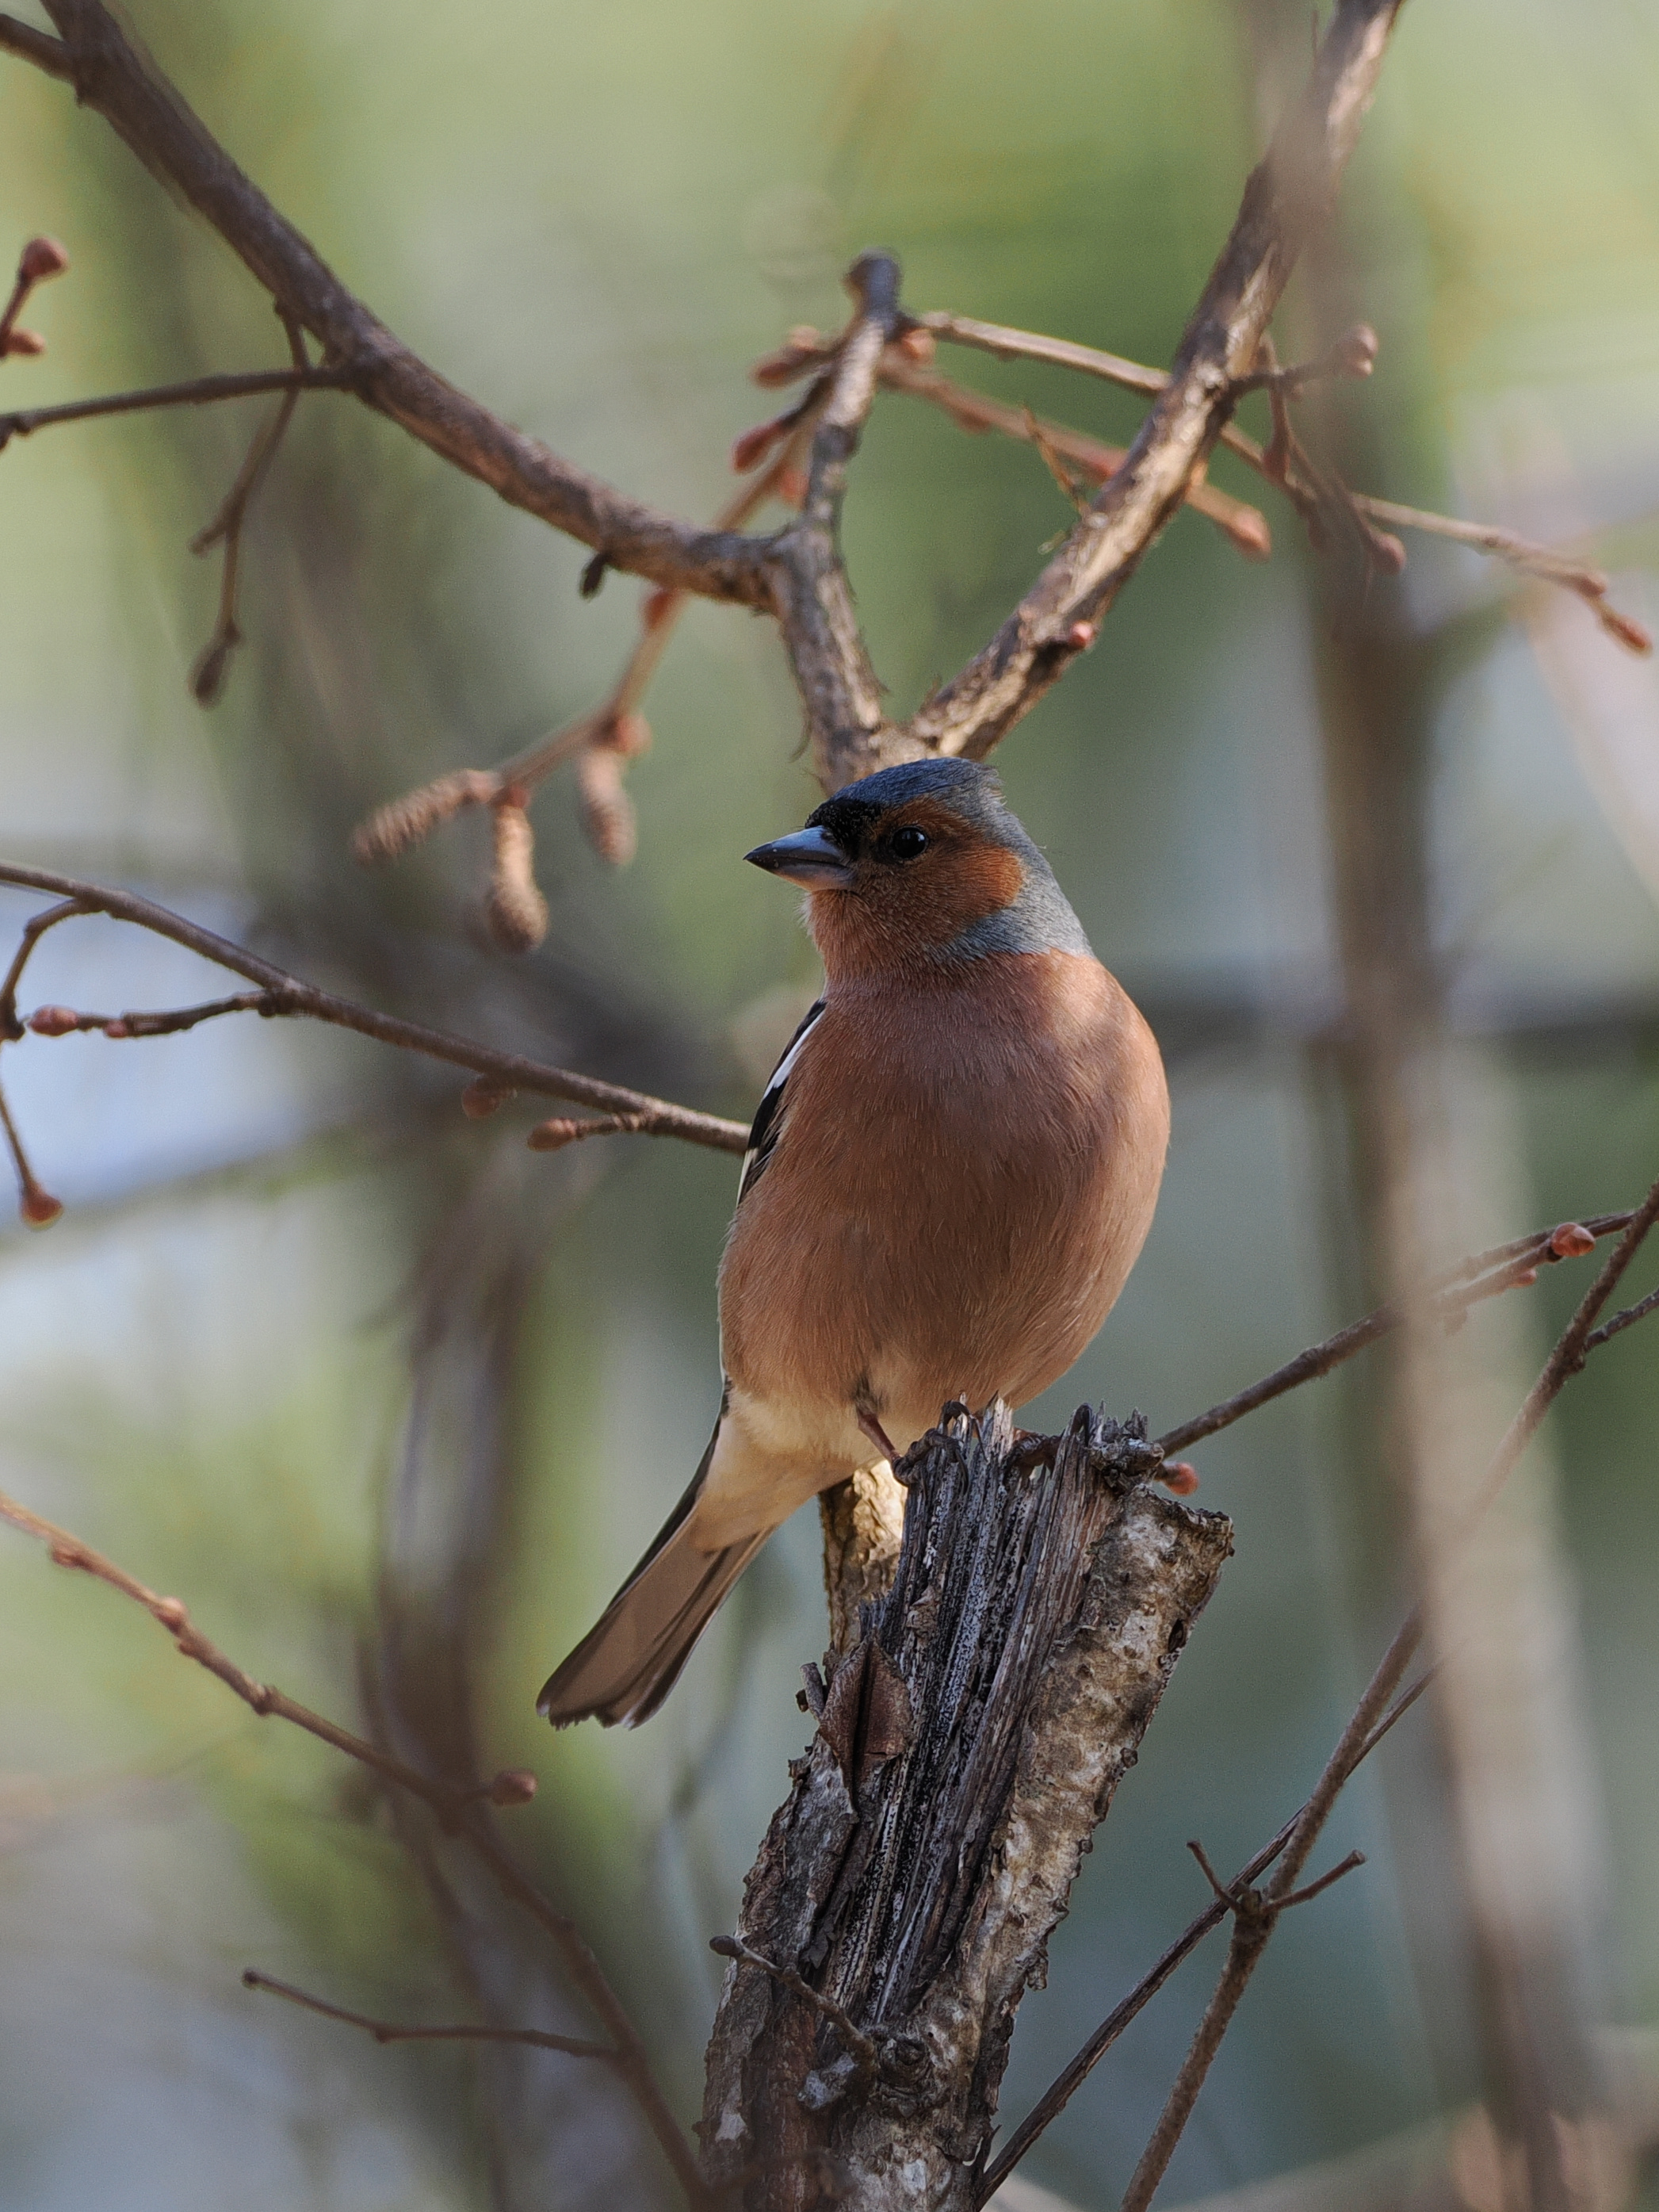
(949,1176)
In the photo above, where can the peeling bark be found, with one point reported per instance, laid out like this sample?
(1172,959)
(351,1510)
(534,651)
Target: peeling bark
(969,1743)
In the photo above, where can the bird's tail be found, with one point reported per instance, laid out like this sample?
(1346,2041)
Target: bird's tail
(625,1666)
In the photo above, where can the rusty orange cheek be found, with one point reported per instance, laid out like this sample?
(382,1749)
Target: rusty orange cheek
(945,892)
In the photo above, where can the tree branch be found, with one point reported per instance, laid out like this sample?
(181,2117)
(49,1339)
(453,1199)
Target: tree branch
(1252,1929)
(280,993)
(111,75)
(197,391)
(1286,197)
(32,46)
(458,1805)
(1447,1297)
(388,2031)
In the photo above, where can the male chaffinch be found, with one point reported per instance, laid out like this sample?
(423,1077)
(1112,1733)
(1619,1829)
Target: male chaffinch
(949,1178)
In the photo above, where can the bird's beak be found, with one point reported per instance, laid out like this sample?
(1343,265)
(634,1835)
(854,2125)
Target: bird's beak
(810,857)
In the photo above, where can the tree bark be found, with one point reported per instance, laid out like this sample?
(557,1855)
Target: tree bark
(969,1743)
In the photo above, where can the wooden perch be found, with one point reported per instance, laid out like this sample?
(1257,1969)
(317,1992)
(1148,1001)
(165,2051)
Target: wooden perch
(976,1730)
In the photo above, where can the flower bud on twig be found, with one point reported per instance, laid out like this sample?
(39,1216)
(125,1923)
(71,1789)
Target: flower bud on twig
(1354,353)
(29,342)
(1571,1241)
(1179,1475)
(750,450)
(482,1097)
(38,1208)
(514,1785)
(53,1021)
(40,258)
(401,823)
(517,910)
(607,811)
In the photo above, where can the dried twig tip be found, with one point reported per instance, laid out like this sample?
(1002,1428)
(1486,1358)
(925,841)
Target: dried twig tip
(517,910)
(514,1785)
(1354,353)
(41,258)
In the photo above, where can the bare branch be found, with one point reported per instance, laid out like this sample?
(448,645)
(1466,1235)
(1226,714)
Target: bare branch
(861,2046)
(32,46)
(1252,1930)
(1506,1266)
(110,76)
(656,1117)
(457,1804)
(1546,563)
(1621,1322)
(198,391)
(388,2031)
(1244,525)
(847,727)
(1286,197)
(1059,2092)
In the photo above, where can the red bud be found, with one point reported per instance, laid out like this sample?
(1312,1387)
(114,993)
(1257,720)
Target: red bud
(30,342)
(53,1021)
(514,1785)
(1527,1275)
(1081,635)
(552,1136)
(38,1208)
(481,1098)
(917,345)
(41,258)
(1354,353)
(1179,1475)
(1633,635)
(748,451)
(1571,1241)
(171,1612)
(117,1028)
(630,735)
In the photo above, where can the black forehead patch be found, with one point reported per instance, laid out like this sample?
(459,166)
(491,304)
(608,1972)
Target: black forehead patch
(967,787)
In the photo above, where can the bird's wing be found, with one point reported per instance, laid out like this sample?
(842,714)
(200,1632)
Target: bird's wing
(765,1129)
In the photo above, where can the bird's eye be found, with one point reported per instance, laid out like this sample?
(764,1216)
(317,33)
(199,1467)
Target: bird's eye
(908,843)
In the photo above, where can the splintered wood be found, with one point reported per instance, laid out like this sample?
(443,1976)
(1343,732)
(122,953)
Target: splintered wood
(968,1744)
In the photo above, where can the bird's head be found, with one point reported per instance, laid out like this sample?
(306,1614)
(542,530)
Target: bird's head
(922,865)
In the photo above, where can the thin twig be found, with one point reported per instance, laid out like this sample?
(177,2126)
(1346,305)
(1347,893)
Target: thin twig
(197,391)
(860,2047)
(47,53)
(657,1117)
(1447,1296)
(458,1805)
(1252,1931)
(33,930)
(389,2031)
(1059,2092)
(1245,526)
(207,677)
(1621,1322)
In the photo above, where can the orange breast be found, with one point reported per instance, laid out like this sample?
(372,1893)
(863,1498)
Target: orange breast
(966,1170)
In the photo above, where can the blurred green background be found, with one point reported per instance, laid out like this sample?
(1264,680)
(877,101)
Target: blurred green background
(394,1403)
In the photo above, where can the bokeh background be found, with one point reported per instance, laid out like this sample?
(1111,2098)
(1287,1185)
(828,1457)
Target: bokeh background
(394,1403)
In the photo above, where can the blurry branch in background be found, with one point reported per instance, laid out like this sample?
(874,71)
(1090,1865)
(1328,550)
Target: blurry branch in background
(41,260)
(1290,467)
(389,2031)
(601,741)
(207,677)
(195,392)
(458,1807)
(1256,1912)
(500,1074)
